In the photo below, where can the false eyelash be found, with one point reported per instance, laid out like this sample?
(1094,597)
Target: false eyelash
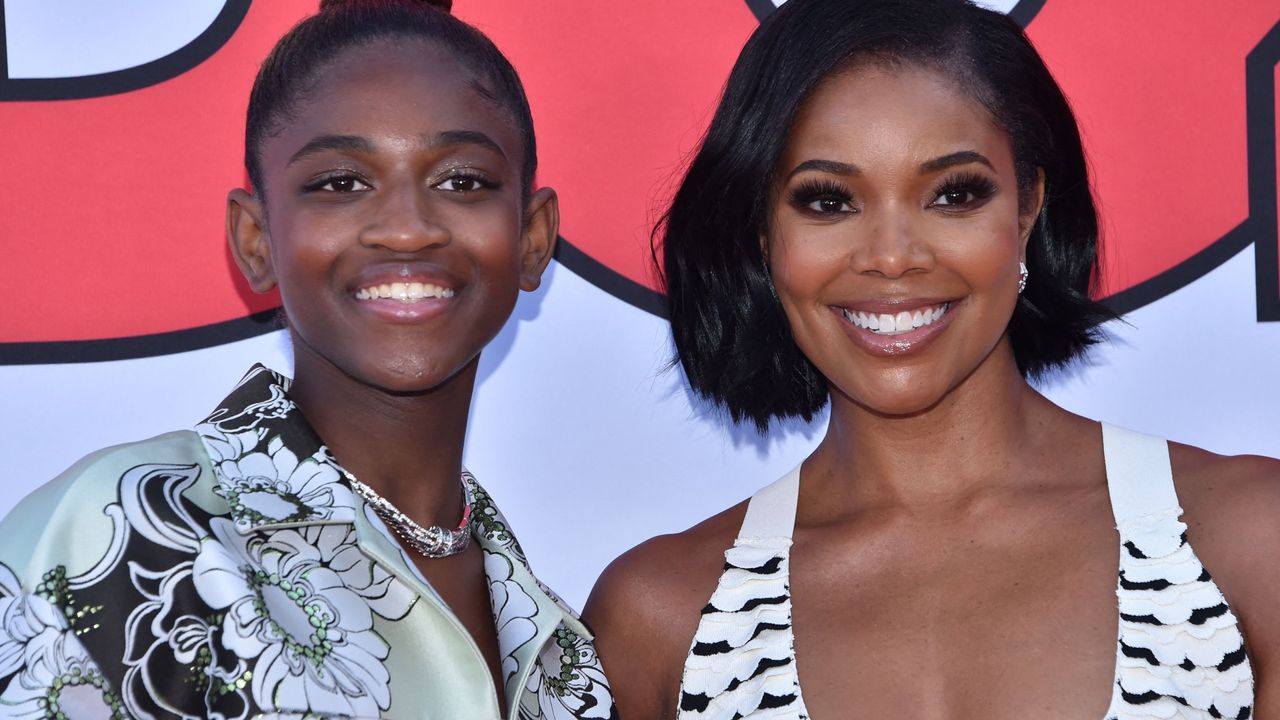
(976,184)
(819,189)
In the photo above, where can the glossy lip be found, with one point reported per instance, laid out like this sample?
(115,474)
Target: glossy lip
(399,311)
(896,345)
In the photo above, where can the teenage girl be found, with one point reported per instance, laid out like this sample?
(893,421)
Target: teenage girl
(315,546)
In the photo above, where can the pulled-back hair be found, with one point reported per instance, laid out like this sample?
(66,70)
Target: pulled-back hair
(730,332)
(291,69)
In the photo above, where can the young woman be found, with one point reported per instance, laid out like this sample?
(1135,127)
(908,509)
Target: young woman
(315,547)
(891,213)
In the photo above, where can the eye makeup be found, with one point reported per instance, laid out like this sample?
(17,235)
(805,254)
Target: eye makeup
(821,197)
(964,190)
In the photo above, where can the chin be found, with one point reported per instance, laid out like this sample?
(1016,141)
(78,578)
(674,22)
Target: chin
(897,401)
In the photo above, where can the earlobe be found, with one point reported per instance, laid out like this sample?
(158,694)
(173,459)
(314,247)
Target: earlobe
(250,244)
(538,242)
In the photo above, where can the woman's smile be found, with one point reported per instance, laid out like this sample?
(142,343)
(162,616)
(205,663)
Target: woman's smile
(894,327)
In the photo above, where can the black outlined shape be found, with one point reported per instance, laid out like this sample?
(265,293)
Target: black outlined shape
(201,48)
(1022,13)
(1260,228)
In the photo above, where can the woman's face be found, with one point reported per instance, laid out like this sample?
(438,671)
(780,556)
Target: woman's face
(895,236)
(394,225)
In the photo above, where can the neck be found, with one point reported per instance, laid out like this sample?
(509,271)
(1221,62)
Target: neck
(988,434)
(407,447)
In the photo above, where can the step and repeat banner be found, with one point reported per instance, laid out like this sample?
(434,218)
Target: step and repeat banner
(122,314)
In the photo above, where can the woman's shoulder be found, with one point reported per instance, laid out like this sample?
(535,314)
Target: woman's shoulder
(665,567)
(646,606)
(1228,496)
(1232,511)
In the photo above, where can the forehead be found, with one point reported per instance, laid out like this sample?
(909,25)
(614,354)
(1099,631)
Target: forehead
(393,87)
(881,112)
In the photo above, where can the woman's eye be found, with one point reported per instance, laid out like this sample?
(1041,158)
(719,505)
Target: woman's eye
(954,197)
(823,197)
(340,184)
(963,192)
(830,205)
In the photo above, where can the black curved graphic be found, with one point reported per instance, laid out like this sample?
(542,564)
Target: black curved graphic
(261,323)
(1260,228)
(609,280)
(129,79)
(139,346)
(1022,13)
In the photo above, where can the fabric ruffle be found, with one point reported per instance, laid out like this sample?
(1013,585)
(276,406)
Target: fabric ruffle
(1181,654)
(742,661)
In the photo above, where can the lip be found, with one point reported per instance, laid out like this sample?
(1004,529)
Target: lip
(902,344)
(398,310)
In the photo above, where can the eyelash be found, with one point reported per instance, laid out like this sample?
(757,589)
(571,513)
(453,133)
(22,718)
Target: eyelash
(977,186)
(321,184)
(482,181)
(817,191)
(318,184)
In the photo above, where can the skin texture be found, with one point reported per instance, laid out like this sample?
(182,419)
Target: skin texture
(395,168)
(955,553)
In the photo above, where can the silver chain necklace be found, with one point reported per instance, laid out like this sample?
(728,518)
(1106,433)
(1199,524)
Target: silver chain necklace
(432,542)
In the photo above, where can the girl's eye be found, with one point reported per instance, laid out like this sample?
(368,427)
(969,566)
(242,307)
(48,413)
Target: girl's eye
(464,184)
(824,198)
(339,184)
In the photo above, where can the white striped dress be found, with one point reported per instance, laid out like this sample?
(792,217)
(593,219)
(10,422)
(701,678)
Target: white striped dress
(1179,651)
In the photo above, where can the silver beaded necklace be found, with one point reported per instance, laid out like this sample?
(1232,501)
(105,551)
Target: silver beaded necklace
(432,542)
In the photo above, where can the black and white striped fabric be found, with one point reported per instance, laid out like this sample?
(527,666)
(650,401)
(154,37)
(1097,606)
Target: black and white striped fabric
(1179,651)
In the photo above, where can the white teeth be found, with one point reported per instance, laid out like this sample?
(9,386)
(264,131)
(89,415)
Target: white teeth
(404,292)
(886,324)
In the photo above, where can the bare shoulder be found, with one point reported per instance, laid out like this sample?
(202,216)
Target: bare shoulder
(646,606)
(1232,511)
(1229,500)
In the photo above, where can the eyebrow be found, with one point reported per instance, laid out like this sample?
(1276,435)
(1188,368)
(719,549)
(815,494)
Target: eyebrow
(827,166)
(963,157)
(359,144)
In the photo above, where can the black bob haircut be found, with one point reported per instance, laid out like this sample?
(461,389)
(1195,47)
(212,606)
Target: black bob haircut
(293,67)
(730,332)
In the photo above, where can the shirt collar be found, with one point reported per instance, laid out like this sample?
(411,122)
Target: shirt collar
(268,464)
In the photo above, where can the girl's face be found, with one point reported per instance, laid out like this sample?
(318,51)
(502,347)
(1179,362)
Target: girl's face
(393,223)
(895,236)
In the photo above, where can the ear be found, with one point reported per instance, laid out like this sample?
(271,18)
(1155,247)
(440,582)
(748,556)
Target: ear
(541,224)
(250,244)
(1030,212)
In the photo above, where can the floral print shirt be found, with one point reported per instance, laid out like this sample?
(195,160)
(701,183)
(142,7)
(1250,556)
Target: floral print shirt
(230,572)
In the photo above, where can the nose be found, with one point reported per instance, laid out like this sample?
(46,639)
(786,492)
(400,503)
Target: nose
(891,247)
(403,222)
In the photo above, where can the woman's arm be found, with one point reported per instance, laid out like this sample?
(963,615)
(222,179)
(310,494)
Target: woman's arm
(1232,511)
(645,609)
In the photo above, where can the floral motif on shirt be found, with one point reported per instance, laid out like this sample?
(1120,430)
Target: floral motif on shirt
(299,607)
(51,673)
(568,682)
